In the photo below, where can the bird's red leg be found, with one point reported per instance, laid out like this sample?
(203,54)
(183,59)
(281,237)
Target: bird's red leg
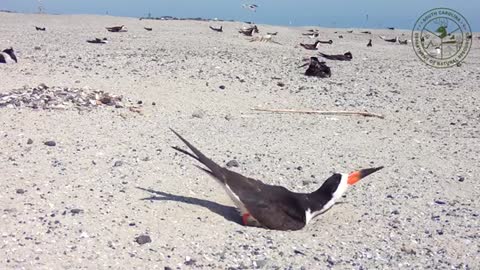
(245,218)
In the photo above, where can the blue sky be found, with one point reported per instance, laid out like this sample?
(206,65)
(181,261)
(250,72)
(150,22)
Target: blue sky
(332,13)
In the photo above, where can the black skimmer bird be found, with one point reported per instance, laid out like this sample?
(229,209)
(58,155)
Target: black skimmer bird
(219,29)
(116,29)
(8,56)
(317,68)
(310,46)
(340,36)
(391,28)
(326,42)
(350,31)
(148,28)
(311,35)
(340,57)
(272,33)
(369,43)
(392,40)
(40,28)
(403,42)
(98,41)
(275,207)
(366,32)
(249,31)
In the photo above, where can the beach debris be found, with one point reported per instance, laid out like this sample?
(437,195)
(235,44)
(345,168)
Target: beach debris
(317,68)
(20,191)
(62,98)
(369,44)
(251,7)
(40,28)
(29,141)
(143,239)
(98,40)
(340,57)
(366,114)
(248,31)
(116,29)
(8,56)
(148,28)
(216,29)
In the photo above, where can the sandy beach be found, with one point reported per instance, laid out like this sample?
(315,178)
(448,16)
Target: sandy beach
(112,175)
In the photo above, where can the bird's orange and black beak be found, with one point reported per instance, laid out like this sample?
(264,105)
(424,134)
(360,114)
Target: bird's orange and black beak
(354,177)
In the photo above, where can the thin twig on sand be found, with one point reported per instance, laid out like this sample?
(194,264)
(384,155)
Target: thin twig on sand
(366,114)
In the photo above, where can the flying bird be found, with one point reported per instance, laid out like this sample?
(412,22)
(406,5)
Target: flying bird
(340,57)
(275,207)
(8,56)
(40,28)
(251,7)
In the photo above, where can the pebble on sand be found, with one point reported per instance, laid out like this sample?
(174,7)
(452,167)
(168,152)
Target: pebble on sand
(50,143)
(143,239)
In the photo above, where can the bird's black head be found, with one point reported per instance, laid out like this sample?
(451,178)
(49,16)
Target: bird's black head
(11,53)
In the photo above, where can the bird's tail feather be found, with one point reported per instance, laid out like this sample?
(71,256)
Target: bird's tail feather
(215,169)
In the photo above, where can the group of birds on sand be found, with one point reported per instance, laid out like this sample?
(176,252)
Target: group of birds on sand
(264,205)
(319,68)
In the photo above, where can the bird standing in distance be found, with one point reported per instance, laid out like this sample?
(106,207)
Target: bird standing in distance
(275,207)
(369,43)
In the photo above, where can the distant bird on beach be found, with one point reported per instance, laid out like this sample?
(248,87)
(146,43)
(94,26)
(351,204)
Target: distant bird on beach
(275,207)
(369,43)
(350,31)
(326,42)
(366,32)
(311,35)
(340,36)
(340,57)
(219,29)
(251,7)
(248,31)
(148,28)
(391,28)
(391,40)
(317,68)
(272,33)
(310,46)
(98,41)
(40,28)
(116,29)
(8,56)
(403,42)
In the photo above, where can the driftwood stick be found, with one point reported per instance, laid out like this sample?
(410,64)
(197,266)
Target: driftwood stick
(366,114)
